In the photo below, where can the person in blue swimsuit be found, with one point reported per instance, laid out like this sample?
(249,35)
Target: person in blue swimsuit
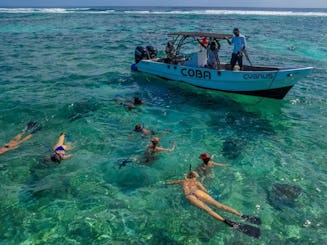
(59,150)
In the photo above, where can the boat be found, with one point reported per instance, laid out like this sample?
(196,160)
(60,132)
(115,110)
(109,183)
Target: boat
(192,68)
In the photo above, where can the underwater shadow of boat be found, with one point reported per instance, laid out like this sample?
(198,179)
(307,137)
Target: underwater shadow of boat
(283,195)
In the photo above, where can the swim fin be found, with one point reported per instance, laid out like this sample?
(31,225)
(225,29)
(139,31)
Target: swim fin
(32,127)
(29,125)
(246,229)
(251,219)
(124,163)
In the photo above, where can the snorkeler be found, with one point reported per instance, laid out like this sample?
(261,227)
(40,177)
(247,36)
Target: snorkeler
(15,142)
(204,168)
(59,150)
(141,129)
(150,155)
(197,195)
(130,104)
(153,146)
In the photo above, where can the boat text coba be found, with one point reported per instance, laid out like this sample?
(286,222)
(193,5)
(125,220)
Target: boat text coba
(206,75)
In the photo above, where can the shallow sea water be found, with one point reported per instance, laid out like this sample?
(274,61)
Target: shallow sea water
(66,69)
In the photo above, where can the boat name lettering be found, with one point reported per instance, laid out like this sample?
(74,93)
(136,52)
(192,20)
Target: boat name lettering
(255,76)
(196,73)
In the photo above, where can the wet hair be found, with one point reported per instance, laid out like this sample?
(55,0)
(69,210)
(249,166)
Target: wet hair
(155,140)
(137,101)
(55,157)
(192,174)
(138,128)
(205,157)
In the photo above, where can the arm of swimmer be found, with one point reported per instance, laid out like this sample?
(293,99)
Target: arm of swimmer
(202,187)
(166,149)
(174,182)
(220,164)
(68,156)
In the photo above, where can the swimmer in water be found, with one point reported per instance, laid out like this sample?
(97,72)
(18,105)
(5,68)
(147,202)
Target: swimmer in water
(205,168)
(198,195)
(15,142)
(59,150)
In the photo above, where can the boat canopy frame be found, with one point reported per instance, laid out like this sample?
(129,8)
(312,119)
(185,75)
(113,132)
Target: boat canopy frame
(179,38)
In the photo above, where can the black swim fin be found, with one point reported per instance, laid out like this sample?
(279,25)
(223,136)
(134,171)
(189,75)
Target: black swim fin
(29,125)
(124,163)
(32,127)
(252,219)
(246,229)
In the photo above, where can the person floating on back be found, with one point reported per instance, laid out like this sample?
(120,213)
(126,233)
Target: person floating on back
(239,42)
(198,195)
(15,142)
(59,150)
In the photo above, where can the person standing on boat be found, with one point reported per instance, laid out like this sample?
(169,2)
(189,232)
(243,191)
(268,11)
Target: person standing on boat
(239,42)
(212,52)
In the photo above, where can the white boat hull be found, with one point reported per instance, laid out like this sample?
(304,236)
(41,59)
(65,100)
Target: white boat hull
(259,81)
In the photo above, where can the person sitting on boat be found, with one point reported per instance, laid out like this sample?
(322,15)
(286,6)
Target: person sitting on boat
(212,52)
(170,52)
(59,150)
(198,195)
(239,42)
(204,168)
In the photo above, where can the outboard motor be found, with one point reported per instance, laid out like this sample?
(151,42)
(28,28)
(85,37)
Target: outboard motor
(152,53)
(140,53)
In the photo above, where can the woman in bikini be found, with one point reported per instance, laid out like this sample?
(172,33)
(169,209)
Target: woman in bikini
(197,194)
(59,150)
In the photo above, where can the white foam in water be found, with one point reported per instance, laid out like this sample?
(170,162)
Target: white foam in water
(181,12)
(232,12)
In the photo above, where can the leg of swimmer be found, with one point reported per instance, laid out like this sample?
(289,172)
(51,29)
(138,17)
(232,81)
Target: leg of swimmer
(195,201)
(67,146)
(25,139)
(208,199)
(16,138)
(61,140)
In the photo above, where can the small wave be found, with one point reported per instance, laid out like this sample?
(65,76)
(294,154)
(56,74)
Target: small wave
(54,10)
(231,12)
(168,11)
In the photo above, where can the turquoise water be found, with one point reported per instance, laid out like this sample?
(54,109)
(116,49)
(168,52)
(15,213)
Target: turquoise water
(66,67)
